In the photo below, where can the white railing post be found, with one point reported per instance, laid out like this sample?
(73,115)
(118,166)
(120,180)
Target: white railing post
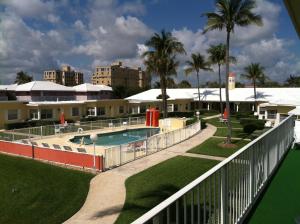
(224,195)
(252,175)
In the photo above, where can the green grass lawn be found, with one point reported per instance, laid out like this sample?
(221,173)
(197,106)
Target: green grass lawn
(281,201)
(148,188)
(236,133)
(216,122)
(210,147)
(34,192)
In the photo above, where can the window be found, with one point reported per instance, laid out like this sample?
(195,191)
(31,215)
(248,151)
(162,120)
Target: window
(170,108)
(91,111)
(121,109)
(75,111)
(272,114)
(175,107)
(46,114)
(262,111)
(186,107)
(101,111)
(12,114)
(33,114)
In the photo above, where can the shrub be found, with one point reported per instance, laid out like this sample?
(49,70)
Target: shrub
(194,120)
(260,124)
(181,114)
(240,115)
(250,128)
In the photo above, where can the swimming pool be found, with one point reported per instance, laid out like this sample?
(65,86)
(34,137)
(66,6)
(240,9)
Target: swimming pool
(118,137)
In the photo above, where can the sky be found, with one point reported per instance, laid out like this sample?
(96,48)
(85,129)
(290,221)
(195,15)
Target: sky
(39,35)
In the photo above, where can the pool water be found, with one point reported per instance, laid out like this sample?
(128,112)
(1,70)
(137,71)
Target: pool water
(117,138)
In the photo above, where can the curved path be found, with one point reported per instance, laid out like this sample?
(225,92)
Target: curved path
(107,190)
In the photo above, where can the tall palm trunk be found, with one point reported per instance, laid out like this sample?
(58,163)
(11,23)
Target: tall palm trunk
(220,91)
(164,96)
(254,87)
(198,90)
(227,90)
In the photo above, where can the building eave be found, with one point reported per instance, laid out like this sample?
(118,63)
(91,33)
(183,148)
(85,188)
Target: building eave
(293,8)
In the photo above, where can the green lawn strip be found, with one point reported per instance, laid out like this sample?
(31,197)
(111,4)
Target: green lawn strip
(150,187)
(280,202)
(35,192)
(211,147)
(216,122)
(236,133)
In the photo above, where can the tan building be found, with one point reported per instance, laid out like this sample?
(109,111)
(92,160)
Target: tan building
(65,76)
(118,75)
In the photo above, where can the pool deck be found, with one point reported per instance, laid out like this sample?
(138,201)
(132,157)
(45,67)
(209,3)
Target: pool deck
(64,139)
(107,190)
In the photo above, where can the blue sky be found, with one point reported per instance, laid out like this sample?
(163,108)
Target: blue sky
(36,35)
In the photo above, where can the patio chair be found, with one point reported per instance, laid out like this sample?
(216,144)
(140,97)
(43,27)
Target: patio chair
(296,133)
(68,148)
(56,146)
(34,143)
(110,125)
(46,145)
(81,150)
(25,141)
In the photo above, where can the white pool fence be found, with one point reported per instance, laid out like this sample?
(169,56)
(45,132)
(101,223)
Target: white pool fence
(121,154)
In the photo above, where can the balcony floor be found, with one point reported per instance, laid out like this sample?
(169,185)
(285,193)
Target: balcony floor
(280,203)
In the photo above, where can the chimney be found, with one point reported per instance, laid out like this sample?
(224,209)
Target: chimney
(231,81)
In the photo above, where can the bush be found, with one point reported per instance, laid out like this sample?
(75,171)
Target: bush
(260,124)
(35,123)
(181,114)
(83,119)
(194,120)
(250,128)
(240,115)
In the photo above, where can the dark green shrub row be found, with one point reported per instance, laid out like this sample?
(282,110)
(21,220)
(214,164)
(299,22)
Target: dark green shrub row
(240,115)
(249,128)
(106,118)
(181,114)
(36,123)
(260,124)
(194,120)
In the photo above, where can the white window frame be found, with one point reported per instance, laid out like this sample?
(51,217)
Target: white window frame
(72,112)
(7,115)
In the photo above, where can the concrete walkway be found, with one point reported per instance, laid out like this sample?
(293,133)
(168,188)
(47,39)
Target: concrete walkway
(201,156)
(107,190)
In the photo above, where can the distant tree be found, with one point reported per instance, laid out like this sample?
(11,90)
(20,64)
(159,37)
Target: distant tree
(184,84)
(121,92)
(254,72)
(227,15)
(196,64)
(171,83)
(293,81)
(217,56)
(156,85)
(23,77)
(239,85)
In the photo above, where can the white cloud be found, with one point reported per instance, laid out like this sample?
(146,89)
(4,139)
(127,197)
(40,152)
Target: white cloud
(28,8)
(53,18)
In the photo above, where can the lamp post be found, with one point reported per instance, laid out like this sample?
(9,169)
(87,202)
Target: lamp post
(198,115)
(94,138)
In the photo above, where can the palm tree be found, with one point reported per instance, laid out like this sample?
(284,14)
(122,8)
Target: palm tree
(22,78)
(184,84)
(228,14)
(160,60)
(217,55)
(254,72)
(197,63)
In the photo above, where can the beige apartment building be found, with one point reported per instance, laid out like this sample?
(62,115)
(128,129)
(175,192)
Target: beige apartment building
(118,75)
(65,76)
